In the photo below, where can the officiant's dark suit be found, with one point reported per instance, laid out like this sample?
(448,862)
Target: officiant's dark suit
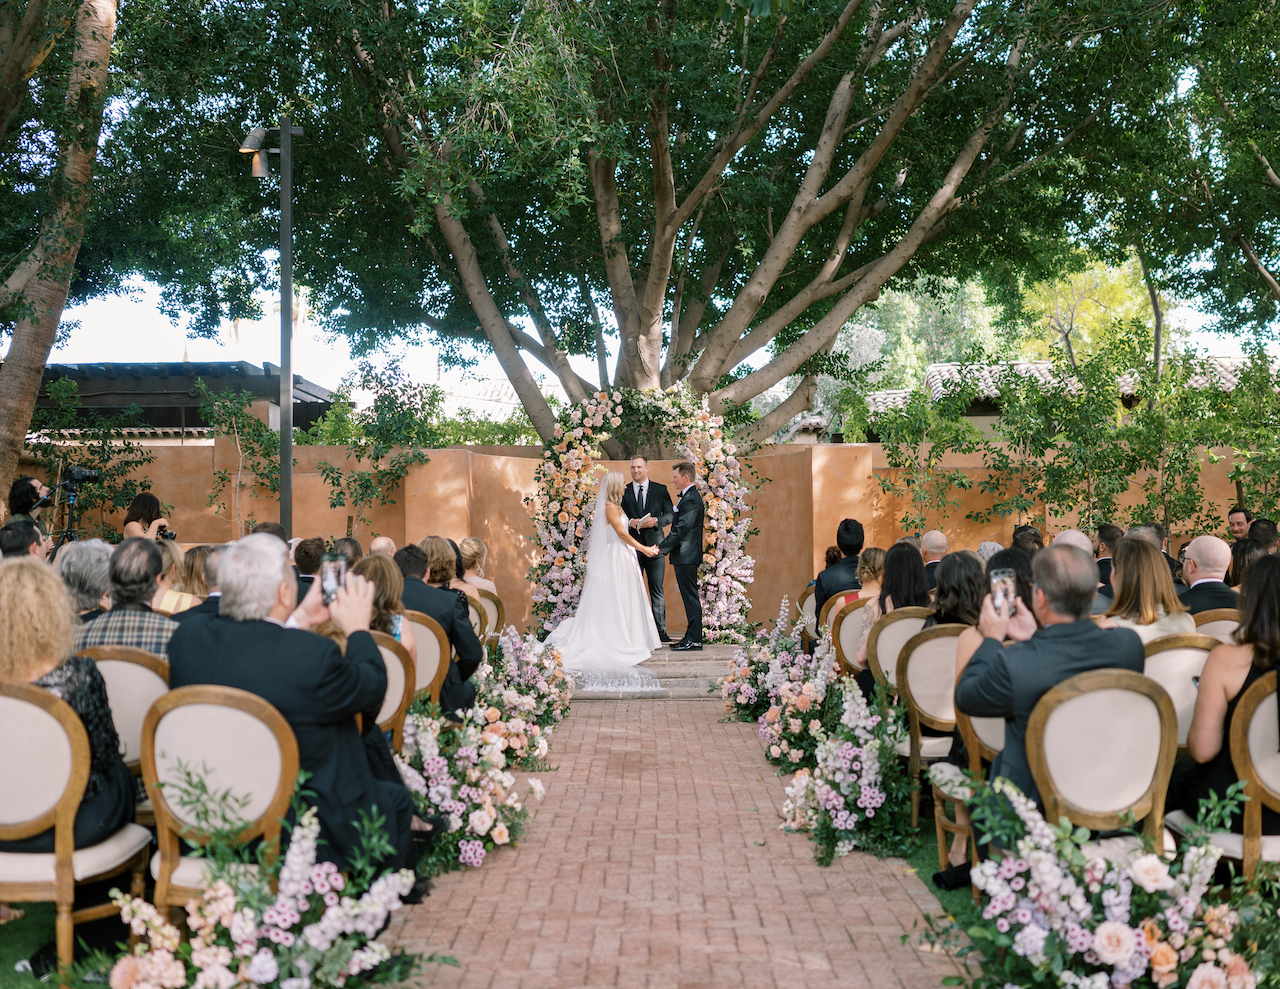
(655,500)
(684,545)
(449,608)
(319,691)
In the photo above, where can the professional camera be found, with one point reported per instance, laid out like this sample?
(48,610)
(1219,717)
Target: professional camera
(79,475)
(168,533)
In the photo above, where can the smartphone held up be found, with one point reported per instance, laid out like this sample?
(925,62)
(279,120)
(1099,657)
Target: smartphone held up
(1003,592)
(333,574)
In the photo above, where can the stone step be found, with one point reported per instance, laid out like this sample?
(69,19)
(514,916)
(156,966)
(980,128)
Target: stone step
(682,675)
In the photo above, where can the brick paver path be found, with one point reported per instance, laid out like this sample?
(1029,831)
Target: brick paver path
(655,861)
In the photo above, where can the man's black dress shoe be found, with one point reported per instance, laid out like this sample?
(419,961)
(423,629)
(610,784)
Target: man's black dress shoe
(663,637)
(687,646)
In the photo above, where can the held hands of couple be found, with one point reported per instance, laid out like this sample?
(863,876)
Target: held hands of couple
(650,551)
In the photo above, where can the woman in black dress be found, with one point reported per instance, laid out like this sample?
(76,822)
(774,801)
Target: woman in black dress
(1228,672)
(35,648)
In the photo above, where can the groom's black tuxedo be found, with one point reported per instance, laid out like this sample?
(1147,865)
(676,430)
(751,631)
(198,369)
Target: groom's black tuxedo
(657,502)
(684,544)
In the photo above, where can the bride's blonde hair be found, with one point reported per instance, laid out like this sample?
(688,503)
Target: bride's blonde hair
(613,485)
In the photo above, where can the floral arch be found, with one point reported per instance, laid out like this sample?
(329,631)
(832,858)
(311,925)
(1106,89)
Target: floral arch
(570,473)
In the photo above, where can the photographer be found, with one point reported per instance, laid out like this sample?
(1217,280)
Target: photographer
(144,519)
(26,501)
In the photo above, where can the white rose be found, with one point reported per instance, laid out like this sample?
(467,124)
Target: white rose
(480,821)
(1151,873)
(1114,943)
(1207,976)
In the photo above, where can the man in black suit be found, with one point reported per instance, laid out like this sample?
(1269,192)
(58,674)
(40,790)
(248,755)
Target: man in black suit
(1207,560)
(209,606)
(306,560)
(647,506)
(684,544)
(843,576)
(308,679)
(1006,683)
(1265,531)
(449,608)
(933,547)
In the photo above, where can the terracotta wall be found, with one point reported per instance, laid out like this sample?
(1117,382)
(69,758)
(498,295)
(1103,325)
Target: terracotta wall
(805,491)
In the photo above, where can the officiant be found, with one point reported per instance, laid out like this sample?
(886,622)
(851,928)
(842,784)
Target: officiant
(648,507)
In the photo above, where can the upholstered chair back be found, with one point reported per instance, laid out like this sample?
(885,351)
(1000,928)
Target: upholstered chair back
(135,679)
(433,652)
(846,630)
(1218,622)
(39,770)
(1176,662)
(887,637)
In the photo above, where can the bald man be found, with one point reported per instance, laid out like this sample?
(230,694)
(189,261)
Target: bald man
(1205,566)
(933,546)
(1076,538)
(383,545)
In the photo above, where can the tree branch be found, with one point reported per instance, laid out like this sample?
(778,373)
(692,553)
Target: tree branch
(800,400)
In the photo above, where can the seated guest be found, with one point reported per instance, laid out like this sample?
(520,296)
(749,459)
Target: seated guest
(1145,598)
(844,575)
(308,680)
(135,566)
(449,609)
(1001,682)
(1264,530)
(210,605)
(36,648)
(904,586)
(987,550)
(459,574)
(21,538)
(1238,520)
(1243,552)
(350,548)
(193,571)
(271,529)
(1108,536)
(144,518)
(388,611)
(830,558)
(306,558)
(1028,540)
(933,544)
(27,500)
(912,541)
(960,588)
(474,555)
(1205,565)
(870,572)
(1076,538)
(382,546)
(168,599)
(83,567)
(1229,670)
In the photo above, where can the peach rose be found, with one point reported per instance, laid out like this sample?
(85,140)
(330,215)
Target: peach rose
(500,834)
(773,714)
(802,702)
(1163,958)
(1207,976)
(124,973)
(492,714)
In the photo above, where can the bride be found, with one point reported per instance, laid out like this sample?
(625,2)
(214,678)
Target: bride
(613,629)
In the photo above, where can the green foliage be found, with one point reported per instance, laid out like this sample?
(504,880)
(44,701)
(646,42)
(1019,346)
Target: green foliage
(257,452)
(66,435)
(1255,438)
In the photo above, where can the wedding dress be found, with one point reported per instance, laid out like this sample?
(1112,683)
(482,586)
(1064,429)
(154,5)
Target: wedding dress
(613,628)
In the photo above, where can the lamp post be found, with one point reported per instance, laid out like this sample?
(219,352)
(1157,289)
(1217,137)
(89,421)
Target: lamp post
(252,144)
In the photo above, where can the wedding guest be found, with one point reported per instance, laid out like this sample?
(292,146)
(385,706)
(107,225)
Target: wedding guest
(1205,566)
(1145,598)
(449,608)
(457,582)
(933,544)
(1076,538)
(1108,536)
(1028,540)
(211,603)
(1001,682)
(193,571)
(388,611)
(1228,672)
(830,558)
(26,501)
(272,529)
(84,568)
(307,678)
(870,571)
(904,586)
(844,575)
(1243,552)
(474,555)
(382,546)
(1238,519)
(135,567)
(168,599)
(306,559)
(21,538)
(1264,530)
(961,585)
(987,550)
(349,547)
(36,647)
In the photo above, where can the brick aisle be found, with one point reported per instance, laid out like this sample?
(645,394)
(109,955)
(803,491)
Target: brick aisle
(655,861)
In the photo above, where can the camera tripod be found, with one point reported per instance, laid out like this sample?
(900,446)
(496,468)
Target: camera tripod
(71,533)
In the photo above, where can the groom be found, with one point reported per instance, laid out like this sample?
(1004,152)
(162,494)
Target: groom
(685,546)
(648,505)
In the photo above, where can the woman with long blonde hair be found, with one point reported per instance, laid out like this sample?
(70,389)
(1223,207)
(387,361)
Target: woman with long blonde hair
(613,629)
(1145,597)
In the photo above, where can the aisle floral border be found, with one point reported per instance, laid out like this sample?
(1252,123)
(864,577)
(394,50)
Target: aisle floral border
(567,479)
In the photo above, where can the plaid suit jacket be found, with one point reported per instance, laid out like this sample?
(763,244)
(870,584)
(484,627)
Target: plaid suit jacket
(140,628)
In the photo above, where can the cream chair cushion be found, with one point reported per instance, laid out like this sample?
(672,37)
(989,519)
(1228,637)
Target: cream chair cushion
(1101,748)
(990,732)
(428,661)
(1232,845)
(1177,670)
(39,867)
(190,871)
(951,780)
(889,645)
(131,690)
(1264,743)
(930,747)
(1220,630)
(808,615)
(240,752)
(931,675)
(849,632)
(395,685)
(490,615)
(36,764)
(477,620)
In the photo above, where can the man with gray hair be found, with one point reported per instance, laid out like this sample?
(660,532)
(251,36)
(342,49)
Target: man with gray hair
(933,546)
(1002,682)
(257,642)
(1207,560)
(209,606)
(85,571)
(135,565)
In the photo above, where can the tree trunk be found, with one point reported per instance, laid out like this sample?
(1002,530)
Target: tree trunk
(45,294)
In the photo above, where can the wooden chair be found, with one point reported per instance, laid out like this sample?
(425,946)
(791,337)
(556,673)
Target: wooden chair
(1255,752)
(241,744)
(926,676)
(1101,747)
(983,740)
(42,776)
(846,630)
(495,615)
(833,604)
(1218,622)
(887,637)
(135,679)
(433,653)
(402,680)
(809,617)
(1176,662)
(477,619)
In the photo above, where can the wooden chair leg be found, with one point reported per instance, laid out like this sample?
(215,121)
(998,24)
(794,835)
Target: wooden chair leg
(66,941)
(940,815)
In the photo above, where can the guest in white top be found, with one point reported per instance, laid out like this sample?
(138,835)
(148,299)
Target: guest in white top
(1145,598)
(474,554)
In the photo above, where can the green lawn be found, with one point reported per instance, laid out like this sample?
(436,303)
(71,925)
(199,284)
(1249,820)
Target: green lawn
(19,939)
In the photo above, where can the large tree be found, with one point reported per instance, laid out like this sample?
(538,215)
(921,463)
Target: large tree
(722,193)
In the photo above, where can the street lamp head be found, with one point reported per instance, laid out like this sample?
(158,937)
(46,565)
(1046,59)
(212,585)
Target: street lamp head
(253,140)
(261,165)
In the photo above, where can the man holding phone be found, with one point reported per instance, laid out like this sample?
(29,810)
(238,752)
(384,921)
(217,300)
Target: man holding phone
(1006,682)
